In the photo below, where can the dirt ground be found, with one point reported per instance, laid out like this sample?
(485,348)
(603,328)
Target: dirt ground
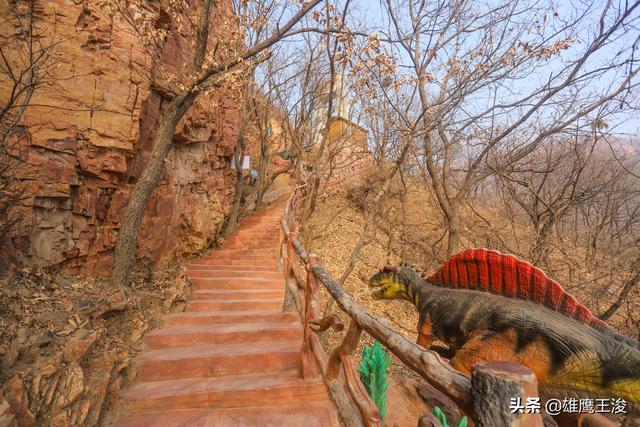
(66,342)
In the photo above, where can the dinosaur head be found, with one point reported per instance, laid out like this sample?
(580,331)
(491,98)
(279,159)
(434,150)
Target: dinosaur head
(393,282)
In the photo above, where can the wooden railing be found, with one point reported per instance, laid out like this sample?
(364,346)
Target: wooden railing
(349,395)
(485,398)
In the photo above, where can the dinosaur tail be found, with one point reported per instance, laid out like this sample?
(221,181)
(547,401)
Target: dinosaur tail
(612,372)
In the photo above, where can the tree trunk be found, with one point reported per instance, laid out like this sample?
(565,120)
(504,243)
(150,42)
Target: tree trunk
(453,229)
(261,192)
(310,207)
(124,255)
(540,249)
(267,184)
(239,188)
(622,297)
(237,203)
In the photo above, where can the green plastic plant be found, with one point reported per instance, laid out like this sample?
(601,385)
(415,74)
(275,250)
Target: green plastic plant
(373,373)
(437,412)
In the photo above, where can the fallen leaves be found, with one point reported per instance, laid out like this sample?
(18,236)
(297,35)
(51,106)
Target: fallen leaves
(65,341)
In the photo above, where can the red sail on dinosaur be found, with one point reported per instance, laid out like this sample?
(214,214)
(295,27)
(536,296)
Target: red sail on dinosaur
(500,274)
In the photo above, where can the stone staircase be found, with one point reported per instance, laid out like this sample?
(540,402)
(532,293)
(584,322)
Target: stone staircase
(233,357)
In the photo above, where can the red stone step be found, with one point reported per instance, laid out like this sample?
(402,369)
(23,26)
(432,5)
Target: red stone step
(248,246)
(250,239)
(246,242)
(206,272)
(224,392)
(242,252)
(258,227)
(269,263)
(244,246)
(233,358)
(250,279)
(249,266)
(202,335)
(307,414)
(246,266)
(235,259)
(229,284)
(218,360)
(257,231)
(235,243)
(237,317)
(260,258)
(271,221)
(236,283)
(271,250)
(254,238)
(272,261)
(225,294)
(235,304)
(234,269)
(271,218)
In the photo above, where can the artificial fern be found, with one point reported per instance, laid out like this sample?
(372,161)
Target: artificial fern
(373,373)
(443,418)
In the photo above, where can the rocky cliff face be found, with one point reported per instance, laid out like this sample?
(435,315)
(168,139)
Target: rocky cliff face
(86,136)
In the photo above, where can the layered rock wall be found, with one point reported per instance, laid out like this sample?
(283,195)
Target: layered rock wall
(87,133)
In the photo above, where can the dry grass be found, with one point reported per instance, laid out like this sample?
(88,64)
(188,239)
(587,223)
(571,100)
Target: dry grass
(337,225)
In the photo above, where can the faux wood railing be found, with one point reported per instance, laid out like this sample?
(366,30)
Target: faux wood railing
(485,398)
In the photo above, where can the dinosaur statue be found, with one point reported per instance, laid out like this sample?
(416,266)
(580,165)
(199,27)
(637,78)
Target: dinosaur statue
(489,306)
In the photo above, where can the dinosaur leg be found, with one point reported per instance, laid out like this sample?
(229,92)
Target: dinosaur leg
(478,349)
(425,336)
(488,345)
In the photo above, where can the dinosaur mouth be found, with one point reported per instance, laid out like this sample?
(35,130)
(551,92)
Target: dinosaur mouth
(377,290)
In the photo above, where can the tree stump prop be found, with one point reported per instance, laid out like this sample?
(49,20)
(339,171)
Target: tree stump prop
(493,386)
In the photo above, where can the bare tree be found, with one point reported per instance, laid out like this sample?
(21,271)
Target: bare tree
(272,131)
(550,183)
(327,91)
(462,73)
(575,209)
(214,59)
(632,283)
(238,160)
